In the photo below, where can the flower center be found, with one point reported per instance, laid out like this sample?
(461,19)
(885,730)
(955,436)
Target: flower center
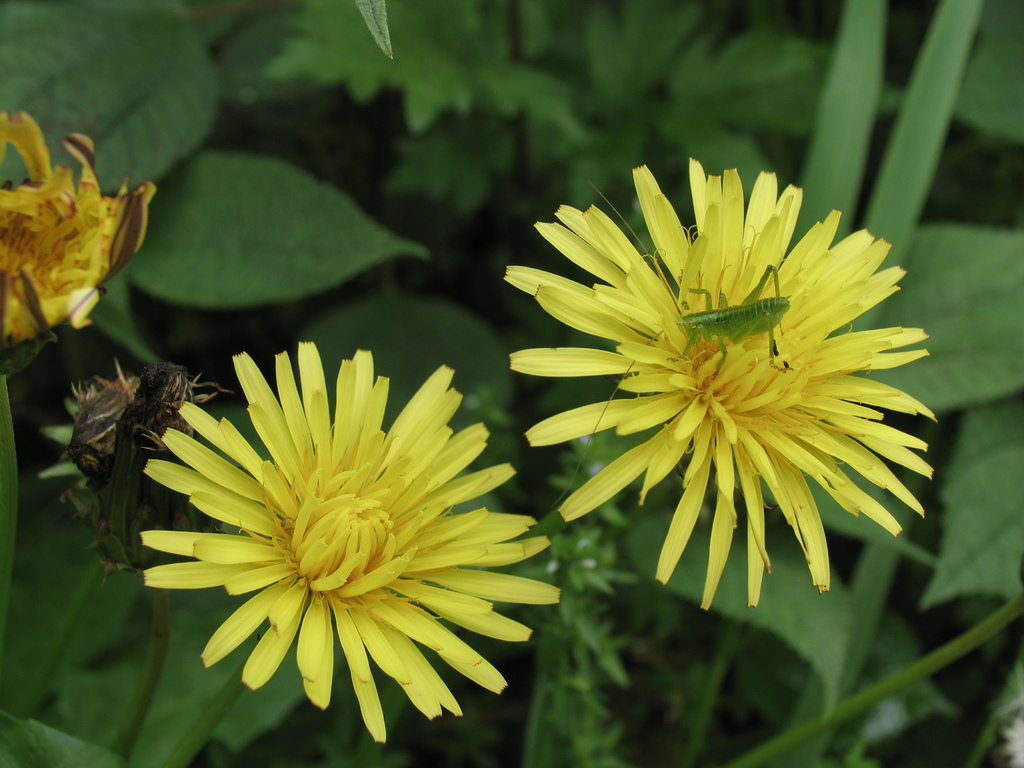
(38,243)
(337,540)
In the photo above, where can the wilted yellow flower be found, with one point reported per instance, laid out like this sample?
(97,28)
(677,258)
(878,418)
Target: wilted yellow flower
(352,523)
(721,397)
(58,244)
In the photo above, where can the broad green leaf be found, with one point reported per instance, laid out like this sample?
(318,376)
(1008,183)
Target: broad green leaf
(410,337)
(983,519)
(967,291)
(238,230)
(28,744)
(993,96)
(138,83)
(815,626)
(375,14)
(912,153)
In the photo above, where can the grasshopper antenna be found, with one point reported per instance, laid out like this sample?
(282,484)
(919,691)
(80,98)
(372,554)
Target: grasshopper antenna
(643,247)
(586,448)
(657,266)
(600,418)
(653,257)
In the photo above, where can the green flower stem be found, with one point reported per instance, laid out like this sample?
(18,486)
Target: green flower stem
(8,506)
(861,702)
(549,525)
(197,736)
(159,638)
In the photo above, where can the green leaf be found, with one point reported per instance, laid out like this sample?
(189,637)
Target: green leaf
(28,744)
(237,230)
(757,80)
(375,14)
(834,171)
(410,337)
(815,626)
(138,83)
(452,59)
(431,69)
(967,292)
(659,28)
(992,98)
(983,519)
(912,153)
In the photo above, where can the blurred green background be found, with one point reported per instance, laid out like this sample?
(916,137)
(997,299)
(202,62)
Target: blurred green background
(311,188)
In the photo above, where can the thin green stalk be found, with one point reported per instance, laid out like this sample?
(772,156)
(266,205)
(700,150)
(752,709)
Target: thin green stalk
(8,506)
(159,638)
(549,525)
(861,702)
(197,736)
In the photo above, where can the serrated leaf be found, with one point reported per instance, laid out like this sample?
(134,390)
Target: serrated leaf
(967,291)
(983,519)
(236,230)
(375,14)
(992,97)
(410,337)
(28,744)
(138,83)
(815,626)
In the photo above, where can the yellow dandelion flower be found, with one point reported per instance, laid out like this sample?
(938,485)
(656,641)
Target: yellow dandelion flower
(719,394)
(351,526)
(59,243)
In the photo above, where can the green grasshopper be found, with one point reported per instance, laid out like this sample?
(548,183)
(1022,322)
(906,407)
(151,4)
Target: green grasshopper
(752,316)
